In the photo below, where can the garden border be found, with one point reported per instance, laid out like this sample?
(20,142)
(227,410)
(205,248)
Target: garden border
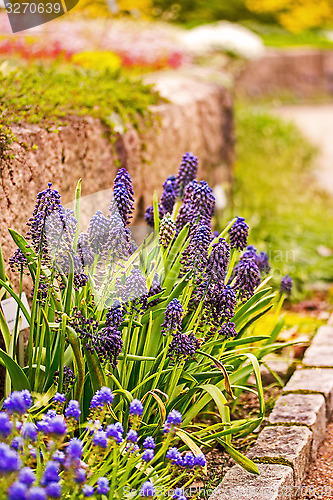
(295,429)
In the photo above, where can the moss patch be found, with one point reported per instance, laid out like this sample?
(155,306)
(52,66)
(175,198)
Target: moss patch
(47,95)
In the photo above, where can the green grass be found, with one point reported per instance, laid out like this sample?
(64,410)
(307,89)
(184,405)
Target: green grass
(275,36)
(275,190)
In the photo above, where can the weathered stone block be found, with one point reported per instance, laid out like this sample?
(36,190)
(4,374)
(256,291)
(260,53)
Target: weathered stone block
(285,445)
(303,409)
(274,483)
(324,336)
(319,356)
(315,381)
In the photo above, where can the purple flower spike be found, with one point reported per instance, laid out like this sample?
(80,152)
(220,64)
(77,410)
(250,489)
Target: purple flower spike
(136,407)
(286,284)
(187,171)
(98,232)
(173,317)
(73,410)
(168,198)
(6,425)
(218,260)
(147,490)
(195,256)
(102,486)
(238,234)
(247,278)
(228,330)
(182,347)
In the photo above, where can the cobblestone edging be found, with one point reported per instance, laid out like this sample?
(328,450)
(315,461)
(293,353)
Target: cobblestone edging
(294,432)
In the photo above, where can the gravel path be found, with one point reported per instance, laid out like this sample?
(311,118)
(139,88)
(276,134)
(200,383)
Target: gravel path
(319,483)
(316,123)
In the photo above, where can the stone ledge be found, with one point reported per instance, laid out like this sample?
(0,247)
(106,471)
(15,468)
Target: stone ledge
(274,483)
(324,336)
(302,409)
(313,381)
(319,356)
(284,445)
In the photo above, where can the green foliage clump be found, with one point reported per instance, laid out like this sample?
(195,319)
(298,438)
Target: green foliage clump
(47,95)
(275,190)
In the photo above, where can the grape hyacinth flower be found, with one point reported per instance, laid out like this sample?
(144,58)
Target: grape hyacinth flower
(228,330)
(6,426)
(147,490)
(37,493)
(173,318)
(18,261)
(247,278)
(195,256)
(187,171)
(100,439)
(221,303)
(168,198)
(167,231)
(134,289)
(27,476)
(173,454)
(74,449)
(115,431)
(218,260)
(122,202)
(9,459)
(18,402)
(263,262)
(148,455)
(53,490)
(84,251)
(51,473)
(132,436)
(115,315)
(108,344)
(73,410)
(102,398)
(149,442)
(17,491)
(203,199)
(68,378)
(59,398)
(238,234)
(173,420)
(149,215)
(123,195)
(29,432)
(171,183)
(136,407)
(87,490)
(98,232)
(185,215)
(47,202)
(286,284)
(102,486)
(182,347)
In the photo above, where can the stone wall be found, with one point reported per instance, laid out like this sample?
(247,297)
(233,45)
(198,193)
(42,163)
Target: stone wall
(299,72)
(197,118)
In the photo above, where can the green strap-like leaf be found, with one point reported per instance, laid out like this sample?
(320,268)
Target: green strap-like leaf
(17,375)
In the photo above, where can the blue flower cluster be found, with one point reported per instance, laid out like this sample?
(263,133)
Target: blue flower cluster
(42,460)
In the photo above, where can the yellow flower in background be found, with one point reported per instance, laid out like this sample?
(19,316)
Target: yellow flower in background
(296,15)
(98,60)
(116,7)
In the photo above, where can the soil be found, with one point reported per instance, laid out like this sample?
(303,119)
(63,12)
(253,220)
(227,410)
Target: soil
(218,460)
(319,482)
